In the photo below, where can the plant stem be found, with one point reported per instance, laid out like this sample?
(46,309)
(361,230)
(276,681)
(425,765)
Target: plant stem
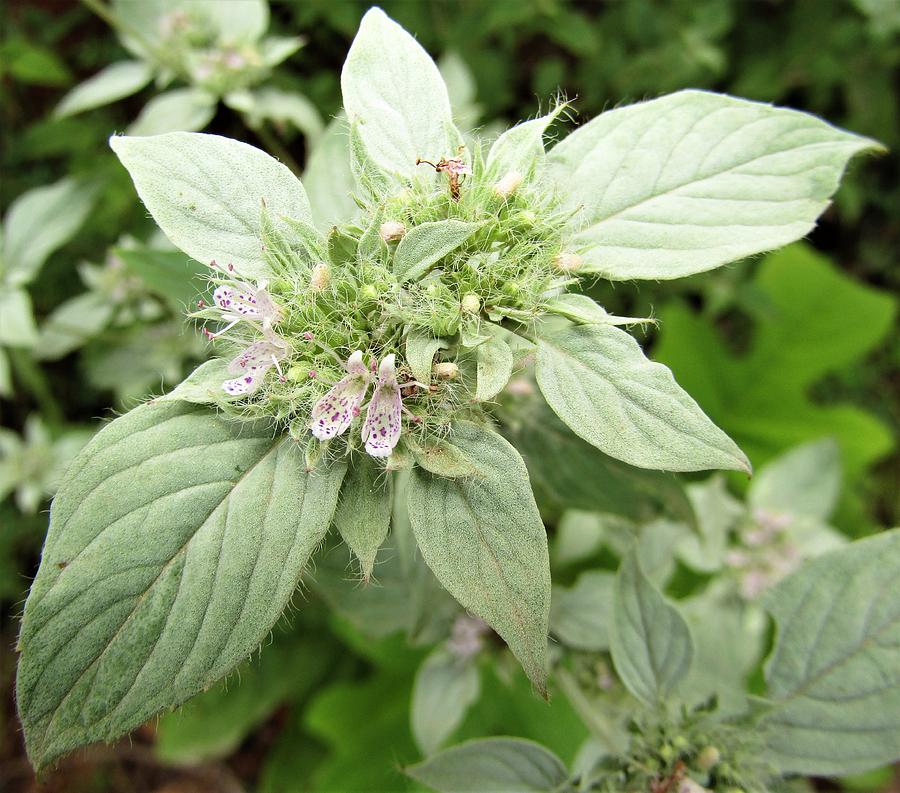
(275,146)
(31,375)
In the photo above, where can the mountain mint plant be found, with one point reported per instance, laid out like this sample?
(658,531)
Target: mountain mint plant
(355,370)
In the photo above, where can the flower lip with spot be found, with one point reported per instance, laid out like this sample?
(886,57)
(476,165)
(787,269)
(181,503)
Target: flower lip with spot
(252,364)
(335,411)
(239,301)
(381,430)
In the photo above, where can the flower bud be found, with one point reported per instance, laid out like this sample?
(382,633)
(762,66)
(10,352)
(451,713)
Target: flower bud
(392,230)
(567,262)
(368,292)
(321,277)
(508,184)
(298,372)
(445,371)
(471,303)
(708,758)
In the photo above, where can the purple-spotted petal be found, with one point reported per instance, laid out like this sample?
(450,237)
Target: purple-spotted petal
(238,299)
(260,353)
(381,430)
(334,412)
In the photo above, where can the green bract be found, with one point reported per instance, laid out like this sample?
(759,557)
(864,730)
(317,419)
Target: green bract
(360,366)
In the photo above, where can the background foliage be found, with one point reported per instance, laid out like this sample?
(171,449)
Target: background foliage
(777,351)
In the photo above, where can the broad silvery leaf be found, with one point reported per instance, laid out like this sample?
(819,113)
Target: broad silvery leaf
(520,149)
(442,458)
(483,538)
(494,363)
(396,93)
(444,688)
(426,244)
(328,178)
(579,615)
(571,473)
(598,381)
(804,482)
(694,180)
(112,83)
(493,765)
(581,310)
(17,327)
(203,386)
(71,324)
(39,222)
(175,543)
(178,110)
(650,641)
(363,515)
(206,193)
(420,352)
(834,675)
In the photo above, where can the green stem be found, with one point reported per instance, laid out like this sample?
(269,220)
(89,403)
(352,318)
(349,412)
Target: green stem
(275,146)
(32,376)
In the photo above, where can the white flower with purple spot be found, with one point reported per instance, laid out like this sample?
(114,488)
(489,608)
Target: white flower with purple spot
(252,364)
(381,430)
(240,301)
(334,412)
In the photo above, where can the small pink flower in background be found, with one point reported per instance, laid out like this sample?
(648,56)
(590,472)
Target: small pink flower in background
(333,413)
(467,636)
(381,430)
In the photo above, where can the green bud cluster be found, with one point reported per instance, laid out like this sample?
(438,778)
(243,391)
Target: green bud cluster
(344,295)
(694,751)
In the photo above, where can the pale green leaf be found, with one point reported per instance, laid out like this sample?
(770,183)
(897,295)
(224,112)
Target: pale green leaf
(395,91)
(72,324)
(650,641)
(41,221)
(175,543)
(521,148)
(598,381)
(834,675)
(483,538)
(178,110)
(17,327)
(573,474)
(420,352)
(694,180)
(718,512)
(584,311)
(493,765)
(580,615)
(328,178)
(425,245)
(363,514)
(203,386)
(442,458)
(444,688)
(281,107)
(206,193)
(112,83)
(494,364)
(803,482)
(5,375)
(277,49)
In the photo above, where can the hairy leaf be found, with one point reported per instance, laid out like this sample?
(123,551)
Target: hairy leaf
(393,88)
(175,543)
(41,221)
(363,514)
(444,688)
(834,675)
(110,84)
(494,367)
(483,538)
(428,243)
(207,192)
(650,641)
(493,765)
(693,180)
(598,381)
